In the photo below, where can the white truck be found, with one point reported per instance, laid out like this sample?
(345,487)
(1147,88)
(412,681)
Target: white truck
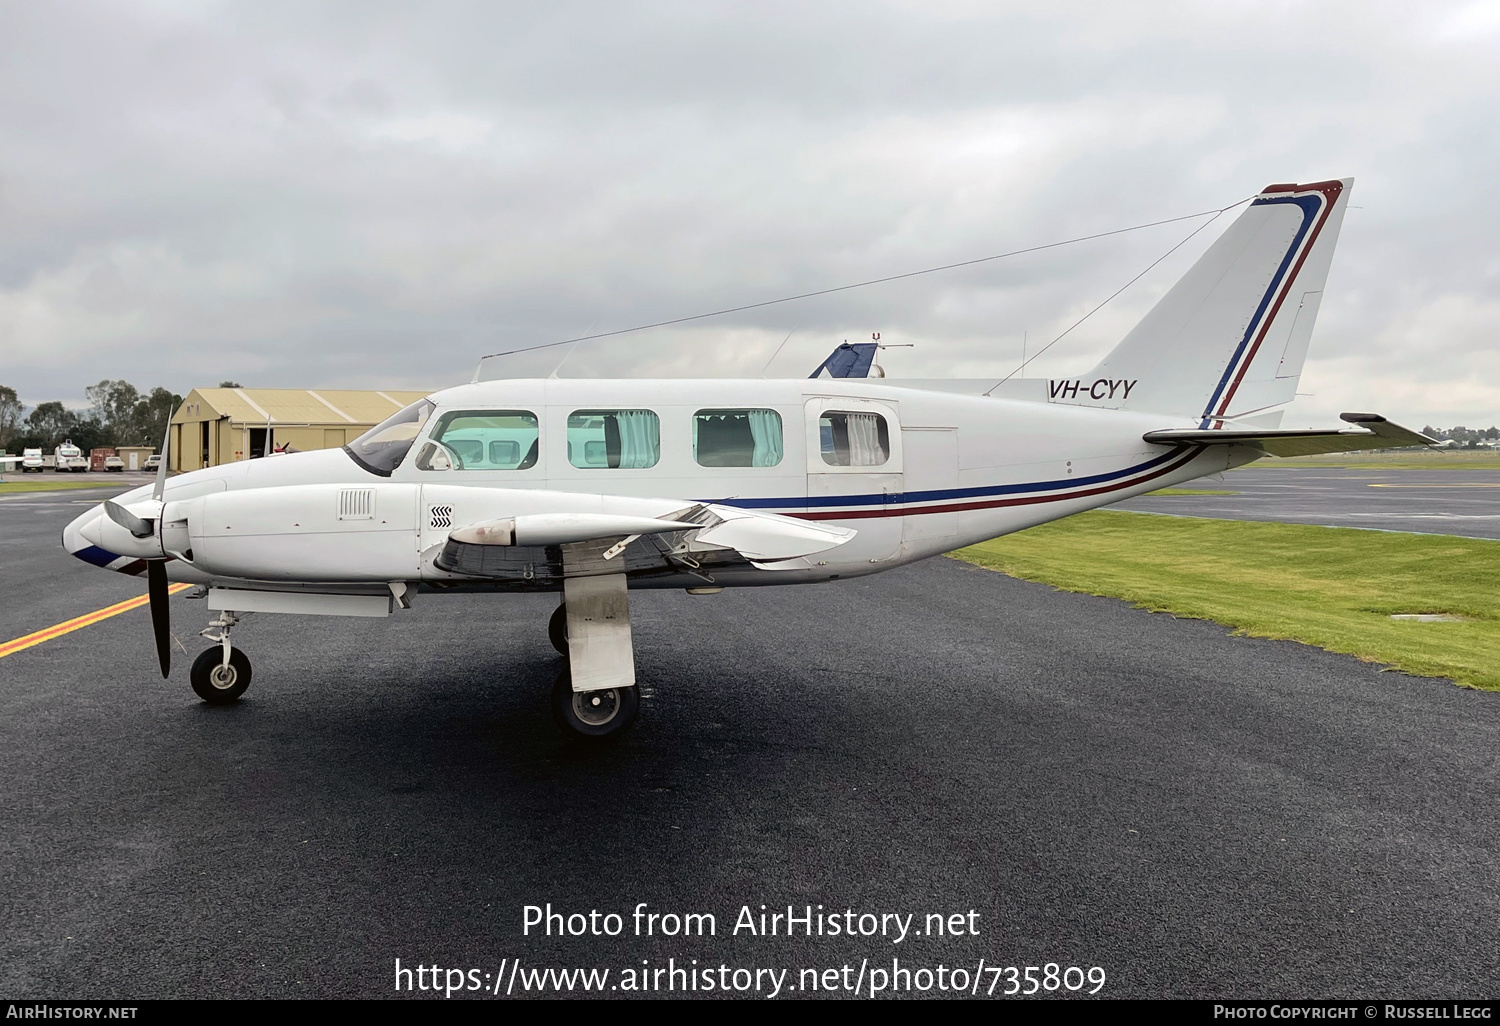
(70,458)
(32,462)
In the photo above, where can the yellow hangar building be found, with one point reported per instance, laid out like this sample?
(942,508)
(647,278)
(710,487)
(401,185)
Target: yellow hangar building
(225,425)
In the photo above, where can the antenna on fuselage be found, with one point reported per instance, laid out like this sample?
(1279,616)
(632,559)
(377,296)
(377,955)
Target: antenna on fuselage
(877,371)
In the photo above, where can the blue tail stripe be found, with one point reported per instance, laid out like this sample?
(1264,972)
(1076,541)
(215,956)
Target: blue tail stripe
(1310,205)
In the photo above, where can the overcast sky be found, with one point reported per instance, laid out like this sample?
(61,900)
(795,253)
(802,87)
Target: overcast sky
(375,195)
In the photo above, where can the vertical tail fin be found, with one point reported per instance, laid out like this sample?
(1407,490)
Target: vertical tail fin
(1228,340)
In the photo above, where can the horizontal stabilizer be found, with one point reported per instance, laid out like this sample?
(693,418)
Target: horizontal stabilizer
(1381,434)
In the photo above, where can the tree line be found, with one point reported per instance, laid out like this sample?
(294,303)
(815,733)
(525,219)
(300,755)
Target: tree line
(118,414)
(1463,435)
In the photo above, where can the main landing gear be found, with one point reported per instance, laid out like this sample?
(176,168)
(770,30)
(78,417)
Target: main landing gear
(222,673)
(597,715)
(591,629)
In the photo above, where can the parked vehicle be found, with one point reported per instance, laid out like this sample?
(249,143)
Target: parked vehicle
(31,461)
(114,463)
(152,462)
(70,458)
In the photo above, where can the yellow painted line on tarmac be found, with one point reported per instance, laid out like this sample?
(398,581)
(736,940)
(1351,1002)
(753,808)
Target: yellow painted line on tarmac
(79,622)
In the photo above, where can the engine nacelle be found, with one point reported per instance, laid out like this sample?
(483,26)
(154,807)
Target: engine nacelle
(562,528)
(322,532)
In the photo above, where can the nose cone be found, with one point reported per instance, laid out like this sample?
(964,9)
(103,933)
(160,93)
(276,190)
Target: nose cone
(81,539)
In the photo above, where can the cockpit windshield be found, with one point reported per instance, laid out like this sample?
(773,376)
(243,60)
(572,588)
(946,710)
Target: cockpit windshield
(381,449)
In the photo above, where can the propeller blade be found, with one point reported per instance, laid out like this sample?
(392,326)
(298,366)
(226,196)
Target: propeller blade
(126,519)
(156,589)
(160,487)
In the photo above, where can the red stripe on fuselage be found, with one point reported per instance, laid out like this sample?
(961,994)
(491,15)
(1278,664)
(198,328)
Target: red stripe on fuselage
(1024,500)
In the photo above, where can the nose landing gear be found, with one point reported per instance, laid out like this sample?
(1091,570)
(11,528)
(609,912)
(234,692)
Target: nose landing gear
(220,675)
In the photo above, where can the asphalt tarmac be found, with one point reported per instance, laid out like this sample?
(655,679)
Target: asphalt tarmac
(1196,814)
(1461,502)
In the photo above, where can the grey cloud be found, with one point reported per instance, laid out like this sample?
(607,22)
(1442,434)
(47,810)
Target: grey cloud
(367,195)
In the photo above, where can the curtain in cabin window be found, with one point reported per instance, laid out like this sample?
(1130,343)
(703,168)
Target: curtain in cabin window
(640,438)
(765,430)
(865,449)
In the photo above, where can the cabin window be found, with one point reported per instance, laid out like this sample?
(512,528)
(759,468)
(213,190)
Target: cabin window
(621,439)
(381,449)
(737,438)
(483,440)
(854,439)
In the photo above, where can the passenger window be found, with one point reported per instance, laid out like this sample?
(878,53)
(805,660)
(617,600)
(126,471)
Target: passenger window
(485,440)
(737,438)
(621,439)
(854,439)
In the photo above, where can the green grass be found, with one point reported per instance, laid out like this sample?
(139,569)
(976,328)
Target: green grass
(16,483)
(1335,588)
(1402,459)
(1190,491)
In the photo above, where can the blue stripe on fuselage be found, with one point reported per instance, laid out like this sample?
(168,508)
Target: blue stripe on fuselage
(904,498)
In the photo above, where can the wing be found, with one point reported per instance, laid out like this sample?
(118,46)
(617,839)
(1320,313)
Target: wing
(1381,434)
(694,539)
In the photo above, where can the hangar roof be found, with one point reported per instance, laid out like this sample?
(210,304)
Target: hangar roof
(333,406)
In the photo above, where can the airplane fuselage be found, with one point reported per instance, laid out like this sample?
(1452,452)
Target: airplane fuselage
(913,472)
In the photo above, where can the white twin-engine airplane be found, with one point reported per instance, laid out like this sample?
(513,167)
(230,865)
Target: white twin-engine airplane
(593,487)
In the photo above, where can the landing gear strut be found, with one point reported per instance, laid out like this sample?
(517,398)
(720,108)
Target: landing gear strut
(221,674)
(594,696)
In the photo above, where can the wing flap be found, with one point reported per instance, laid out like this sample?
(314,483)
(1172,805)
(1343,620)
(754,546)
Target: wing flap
(762,537)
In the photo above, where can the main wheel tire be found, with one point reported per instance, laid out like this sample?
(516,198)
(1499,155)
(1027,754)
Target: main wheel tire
(557,629)
(216,683)
(596,715)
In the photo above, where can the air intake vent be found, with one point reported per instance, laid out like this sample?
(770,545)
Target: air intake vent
(357,504)
(442,516)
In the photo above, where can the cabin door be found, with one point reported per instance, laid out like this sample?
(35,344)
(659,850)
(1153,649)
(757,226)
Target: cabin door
(854,460)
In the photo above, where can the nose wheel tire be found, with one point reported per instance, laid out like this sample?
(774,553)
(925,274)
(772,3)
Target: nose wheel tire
(596,715)
(557,629)
(216,683)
